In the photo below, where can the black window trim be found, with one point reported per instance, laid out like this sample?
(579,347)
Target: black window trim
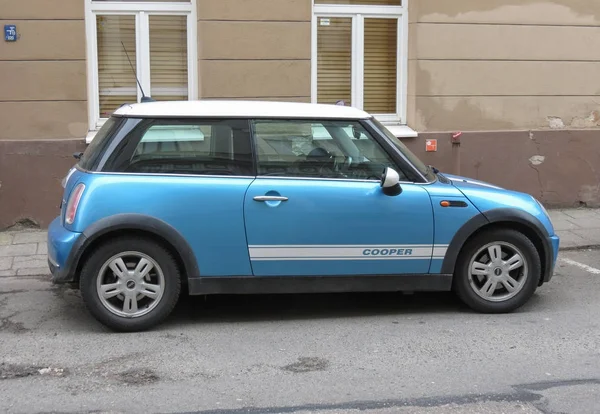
(128,126)
(400,161)
(403,163)
(94,164)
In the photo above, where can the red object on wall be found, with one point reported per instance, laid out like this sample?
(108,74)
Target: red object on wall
(431,145)
(456,137)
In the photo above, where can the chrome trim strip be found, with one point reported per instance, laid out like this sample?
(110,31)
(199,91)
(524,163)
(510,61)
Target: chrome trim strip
(246,176)
(262,177)
(270,198)
(165,174)
(235,176)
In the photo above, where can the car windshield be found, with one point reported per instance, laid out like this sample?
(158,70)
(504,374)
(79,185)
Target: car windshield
(412,158)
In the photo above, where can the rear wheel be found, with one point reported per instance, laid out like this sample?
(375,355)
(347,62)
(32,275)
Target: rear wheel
(498,271)
(130,284)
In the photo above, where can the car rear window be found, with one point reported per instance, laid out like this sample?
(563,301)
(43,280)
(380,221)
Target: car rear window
(218,147)
(89,159)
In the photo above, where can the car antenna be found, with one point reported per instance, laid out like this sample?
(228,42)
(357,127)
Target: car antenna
(144,97)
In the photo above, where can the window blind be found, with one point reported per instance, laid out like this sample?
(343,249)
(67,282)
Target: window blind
(168,57)
(380,65)
(152,1)
(334,60)
(362,2)
(116,80)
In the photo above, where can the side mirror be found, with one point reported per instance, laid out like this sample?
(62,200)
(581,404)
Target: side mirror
(390,182)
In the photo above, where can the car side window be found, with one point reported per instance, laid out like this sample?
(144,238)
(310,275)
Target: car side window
(318,149)
(220,147)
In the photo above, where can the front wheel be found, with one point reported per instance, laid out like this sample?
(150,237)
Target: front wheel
(497,272)
(130,284)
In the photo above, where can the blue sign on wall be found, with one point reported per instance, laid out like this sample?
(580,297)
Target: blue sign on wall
(10,33)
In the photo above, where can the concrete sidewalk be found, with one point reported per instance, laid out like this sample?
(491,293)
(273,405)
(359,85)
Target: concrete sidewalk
(23,252)
(577,228)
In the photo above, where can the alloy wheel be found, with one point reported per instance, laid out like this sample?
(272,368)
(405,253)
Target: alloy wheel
(130,284)
(498,271)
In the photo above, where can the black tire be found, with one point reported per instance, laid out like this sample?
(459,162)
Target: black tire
(90,274)
(461,284)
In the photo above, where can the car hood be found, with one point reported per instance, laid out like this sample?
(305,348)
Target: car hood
(468,183)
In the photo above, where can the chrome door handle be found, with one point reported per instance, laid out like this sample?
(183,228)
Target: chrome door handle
(270,198)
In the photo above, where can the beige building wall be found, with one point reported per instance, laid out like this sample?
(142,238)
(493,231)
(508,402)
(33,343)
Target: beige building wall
(43,88)
(504,64)
(254,49)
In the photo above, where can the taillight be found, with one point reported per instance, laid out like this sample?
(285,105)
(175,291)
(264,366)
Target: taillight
(73,203)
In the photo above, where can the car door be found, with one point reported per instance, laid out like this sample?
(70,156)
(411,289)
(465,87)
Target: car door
(317,207)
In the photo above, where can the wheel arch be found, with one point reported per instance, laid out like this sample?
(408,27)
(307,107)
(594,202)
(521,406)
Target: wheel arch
(138,225)
(505,218)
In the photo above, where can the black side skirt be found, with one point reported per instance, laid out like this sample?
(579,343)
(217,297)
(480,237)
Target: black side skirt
(318,284)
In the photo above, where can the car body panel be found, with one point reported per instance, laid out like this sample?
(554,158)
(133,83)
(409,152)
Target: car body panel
(60,245)
(487,197)
(488,204)
(448,220)
(206,211)
(555,241)
(337,227)
(330,234)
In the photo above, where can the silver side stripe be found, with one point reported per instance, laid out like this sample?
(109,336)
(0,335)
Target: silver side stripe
(272,259)
(440,250)
(346,245)
(346,252)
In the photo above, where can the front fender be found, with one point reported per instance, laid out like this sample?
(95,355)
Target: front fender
(503,215)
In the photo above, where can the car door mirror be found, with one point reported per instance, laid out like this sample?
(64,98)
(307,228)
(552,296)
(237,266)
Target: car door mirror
(390,182)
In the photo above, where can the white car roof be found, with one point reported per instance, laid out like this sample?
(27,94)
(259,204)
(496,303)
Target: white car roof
(239,109)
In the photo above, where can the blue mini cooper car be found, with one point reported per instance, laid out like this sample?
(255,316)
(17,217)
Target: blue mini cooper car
(218,197)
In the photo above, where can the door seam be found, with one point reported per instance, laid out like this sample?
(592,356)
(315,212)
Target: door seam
(245,227)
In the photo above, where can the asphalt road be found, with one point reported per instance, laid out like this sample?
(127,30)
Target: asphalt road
(368,353)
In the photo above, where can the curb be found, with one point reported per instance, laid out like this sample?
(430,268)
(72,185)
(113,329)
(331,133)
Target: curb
(576,248)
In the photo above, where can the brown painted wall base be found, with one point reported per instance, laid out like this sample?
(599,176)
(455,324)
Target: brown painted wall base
(561,168)
(30,175)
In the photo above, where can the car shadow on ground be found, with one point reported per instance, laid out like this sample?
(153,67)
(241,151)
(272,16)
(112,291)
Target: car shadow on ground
(215,309)
(254,308)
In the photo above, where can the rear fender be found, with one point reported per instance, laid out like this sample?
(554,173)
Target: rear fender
(133,222)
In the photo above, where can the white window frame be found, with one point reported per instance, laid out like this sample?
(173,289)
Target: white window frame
(396,122)
(142,11)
